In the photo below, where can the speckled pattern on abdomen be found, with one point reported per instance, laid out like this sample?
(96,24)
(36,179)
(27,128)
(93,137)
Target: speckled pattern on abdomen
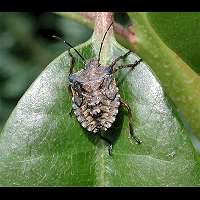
(108,109)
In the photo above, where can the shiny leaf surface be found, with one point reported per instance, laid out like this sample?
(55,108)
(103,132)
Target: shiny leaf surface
(42,145)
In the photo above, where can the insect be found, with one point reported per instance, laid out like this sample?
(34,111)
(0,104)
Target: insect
(95,95)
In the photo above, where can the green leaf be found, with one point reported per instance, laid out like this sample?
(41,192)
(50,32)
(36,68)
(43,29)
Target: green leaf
(181,32)
(179,81)
(42,145)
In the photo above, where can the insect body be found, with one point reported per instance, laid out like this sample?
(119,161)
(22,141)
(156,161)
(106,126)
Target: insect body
(95,95)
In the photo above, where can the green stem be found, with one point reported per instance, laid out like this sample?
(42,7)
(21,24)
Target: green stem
(180,82)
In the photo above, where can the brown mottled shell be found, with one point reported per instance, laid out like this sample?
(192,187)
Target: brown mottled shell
(95,97)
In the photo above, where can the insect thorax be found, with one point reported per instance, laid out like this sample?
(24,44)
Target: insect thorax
(95,98)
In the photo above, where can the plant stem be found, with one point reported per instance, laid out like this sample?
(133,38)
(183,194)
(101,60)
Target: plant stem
(126,36)
(103,20)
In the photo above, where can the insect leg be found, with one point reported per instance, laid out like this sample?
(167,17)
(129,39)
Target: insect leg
(70,90)
(119,58)
(109,144)
(71,63)
(71,71)
(71,112)
(137,62)
(124,104)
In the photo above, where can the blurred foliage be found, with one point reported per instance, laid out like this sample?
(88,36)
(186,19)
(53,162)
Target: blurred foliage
(176,30)
(26,47)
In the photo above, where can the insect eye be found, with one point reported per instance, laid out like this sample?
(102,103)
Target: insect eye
(109,70)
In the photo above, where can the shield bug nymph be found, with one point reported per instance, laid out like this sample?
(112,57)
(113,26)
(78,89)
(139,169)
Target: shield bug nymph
(95,95)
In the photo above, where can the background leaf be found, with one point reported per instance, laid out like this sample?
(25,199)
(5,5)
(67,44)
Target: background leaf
(181,32)
(42,145)
(179,81)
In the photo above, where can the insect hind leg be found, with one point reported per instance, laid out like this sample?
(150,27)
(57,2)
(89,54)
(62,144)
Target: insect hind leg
(124,104)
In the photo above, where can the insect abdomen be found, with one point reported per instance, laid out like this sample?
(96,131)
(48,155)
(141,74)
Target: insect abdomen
(96,117)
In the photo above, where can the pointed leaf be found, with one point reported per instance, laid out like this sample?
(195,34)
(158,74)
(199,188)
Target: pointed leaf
(42,145)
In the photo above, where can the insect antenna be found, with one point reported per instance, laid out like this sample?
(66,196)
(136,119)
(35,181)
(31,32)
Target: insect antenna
(102,42)
(67,43)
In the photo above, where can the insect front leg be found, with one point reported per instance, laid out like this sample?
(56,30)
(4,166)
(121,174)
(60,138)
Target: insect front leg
(130,118)
(137,62)
(119,58)
(112,65)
